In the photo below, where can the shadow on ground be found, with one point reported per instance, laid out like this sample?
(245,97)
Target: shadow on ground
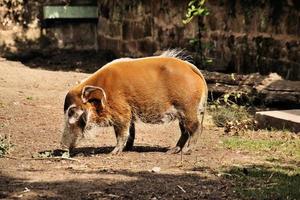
(251,182)
(89,151)
(65,60)
(136,185)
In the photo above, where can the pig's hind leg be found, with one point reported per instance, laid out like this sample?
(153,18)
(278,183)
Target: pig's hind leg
(130,140)
(189,127)
(122,135)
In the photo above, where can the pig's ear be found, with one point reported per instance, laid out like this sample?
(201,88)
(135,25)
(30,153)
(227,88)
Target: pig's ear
(92,94)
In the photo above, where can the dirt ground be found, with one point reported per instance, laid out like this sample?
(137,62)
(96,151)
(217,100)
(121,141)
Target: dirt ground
(31,113)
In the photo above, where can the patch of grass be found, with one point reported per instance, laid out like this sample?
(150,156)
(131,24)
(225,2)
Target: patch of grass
(5,145)
(264,182)
(290,148)
(222,115)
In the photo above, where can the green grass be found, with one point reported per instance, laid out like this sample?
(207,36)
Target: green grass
(264,182)
(290,148)
(277,178)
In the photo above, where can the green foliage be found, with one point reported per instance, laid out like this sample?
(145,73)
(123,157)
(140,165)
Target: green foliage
(195,8)
(233,98)
(5,145)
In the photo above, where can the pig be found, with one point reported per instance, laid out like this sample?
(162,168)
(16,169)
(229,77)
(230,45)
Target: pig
(155,89)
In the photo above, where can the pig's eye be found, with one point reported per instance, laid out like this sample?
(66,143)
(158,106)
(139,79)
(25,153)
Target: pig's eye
(71,112)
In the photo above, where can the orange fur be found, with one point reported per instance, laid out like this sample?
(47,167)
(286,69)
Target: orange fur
(148,89)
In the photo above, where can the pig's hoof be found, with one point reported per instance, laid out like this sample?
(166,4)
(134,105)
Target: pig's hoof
(186,151)
(174,150)
(116,151)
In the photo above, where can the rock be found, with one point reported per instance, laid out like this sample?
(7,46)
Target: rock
(280,119)
(155,169)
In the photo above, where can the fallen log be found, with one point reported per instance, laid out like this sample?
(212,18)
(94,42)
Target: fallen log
(232,79)
(269,90)
(221,88)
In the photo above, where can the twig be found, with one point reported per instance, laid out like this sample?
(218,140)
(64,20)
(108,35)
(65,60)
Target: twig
(54,158)
(181,188)
(25,190)
(46,158)
(11,157)
(113,196)
(95,193)
(270,177)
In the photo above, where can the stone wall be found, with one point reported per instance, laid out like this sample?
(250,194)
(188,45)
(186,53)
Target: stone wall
(239,35)
(19,24)
(22,28)
(248,36)
(139,28)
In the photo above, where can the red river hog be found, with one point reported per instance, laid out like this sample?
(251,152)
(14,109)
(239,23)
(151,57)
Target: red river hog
(153,90)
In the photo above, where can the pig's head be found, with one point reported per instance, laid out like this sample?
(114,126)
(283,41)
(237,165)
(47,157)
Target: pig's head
(83,110)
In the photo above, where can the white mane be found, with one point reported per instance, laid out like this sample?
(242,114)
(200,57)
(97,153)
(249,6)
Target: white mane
(173,53)
(177,53)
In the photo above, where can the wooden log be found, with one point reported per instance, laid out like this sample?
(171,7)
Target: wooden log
(285,86)
(269,90)
(232,79)
(224,88)
(272,97)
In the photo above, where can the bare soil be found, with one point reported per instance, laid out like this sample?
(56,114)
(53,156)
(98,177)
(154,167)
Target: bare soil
(31,113)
